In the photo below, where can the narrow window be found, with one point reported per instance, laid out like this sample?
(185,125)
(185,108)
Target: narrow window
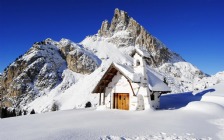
(137,63)
(152,97)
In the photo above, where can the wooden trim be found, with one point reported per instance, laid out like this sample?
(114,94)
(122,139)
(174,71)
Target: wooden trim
(160,94)
(100,99)
(131,88)
(115,100)
(104,98)
(104,81)
(112,74)
(108,72)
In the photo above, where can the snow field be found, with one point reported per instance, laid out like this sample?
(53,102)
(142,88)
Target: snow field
(194,120)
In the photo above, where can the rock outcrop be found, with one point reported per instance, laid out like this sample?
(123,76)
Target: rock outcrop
(124,31)
(78,59)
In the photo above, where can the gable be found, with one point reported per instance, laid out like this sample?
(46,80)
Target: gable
(105,80)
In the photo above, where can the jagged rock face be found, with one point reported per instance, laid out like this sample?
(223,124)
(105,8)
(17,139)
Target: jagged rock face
(124,31)
(40,70)
(77,59)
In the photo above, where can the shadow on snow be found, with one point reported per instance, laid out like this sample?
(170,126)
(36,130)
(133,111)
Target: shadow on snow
(176,101)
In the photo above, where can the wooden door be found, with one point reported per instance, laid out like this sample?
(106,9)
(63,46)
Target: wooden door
(121,101)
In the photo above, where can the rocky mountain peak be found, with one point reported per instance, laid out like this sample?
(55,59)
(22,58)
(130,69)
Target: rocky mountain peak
(124,31)
(120,21)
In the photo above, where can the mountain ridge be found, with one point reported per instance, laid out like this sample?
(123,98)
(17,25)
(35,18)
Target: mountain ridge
(64,72)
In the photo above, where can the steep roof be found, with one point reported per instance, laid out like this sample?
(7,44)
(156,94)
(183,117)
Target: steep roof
(155,83)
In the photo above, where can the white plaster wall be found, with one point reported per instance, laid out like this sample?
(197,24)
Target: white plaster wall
(119,84)
(156,102)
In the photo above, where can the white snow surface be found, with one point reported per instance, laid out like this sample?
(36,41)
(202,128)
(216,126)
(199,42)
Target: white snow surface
(190,118)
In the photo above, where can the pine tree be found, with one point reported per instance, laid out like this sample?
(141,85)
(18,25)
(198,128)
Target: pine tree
(20,113)
(4,112)
(32,112)
(88,104)
(54,107)
(24,112)
(13,113)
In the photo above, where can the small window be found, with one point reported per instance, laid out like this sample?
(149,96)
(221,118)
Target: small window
(137,63)
(152,97)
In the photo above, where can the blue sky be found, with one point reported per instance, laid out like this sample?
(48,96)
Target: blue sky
(192,28)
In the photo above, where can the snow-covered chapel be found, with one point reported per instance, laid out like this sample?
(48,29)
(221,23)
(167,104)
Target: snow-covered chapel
(136,87)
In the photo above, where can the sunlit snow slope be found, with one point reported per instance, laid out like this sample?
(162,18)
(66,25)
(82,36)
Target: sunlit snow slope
(199,118)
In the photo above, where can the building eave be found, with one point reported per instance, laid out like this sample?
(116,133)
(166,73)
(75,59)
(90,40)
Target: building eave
(113,68)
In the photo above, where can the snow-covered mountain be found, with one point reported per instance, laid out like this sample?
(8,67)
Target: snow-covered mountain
(206,82)
(64,73)
(42,68)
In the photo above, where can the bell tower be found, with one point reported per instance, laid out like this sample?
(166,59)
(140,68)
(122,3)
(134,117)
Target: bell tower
(140,66)
(143,95)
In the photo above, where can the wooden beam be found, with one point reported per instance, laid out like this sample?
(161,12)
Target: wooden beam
(112,74)
(106,80)
(131,88)
(160,93)
(104,98)
(101,87)
(100,99)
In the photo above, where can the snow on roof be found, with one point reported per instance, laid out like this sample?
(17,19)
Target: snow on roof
(142,52)
(128,72)
(155,83)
